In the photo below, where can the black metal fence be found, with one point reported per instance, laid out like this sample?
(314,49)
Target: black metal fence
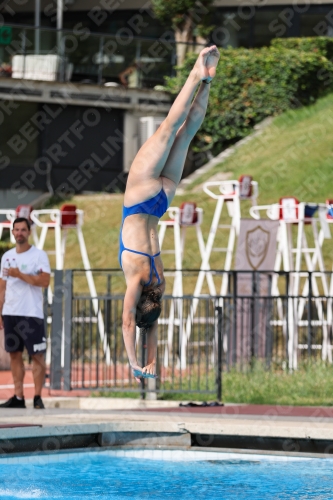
(259,319)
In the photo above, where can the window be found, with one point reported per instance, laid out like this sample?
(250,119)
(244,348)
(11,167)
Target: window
(20,149)
(232,29)
(264,23)
(315,25)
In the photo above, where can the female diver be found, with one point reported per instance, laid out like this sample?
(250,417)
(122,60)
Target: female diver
(151,185)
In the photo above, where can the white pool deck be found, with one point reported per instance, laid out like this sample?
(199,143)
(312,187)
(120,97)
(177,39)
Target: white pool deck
(70,416)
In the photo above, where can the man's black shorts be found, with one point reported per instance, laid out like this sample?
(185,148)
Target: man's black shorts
(25,331)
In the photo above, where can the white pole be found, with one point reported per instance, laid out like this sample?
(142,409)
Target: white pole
(178,283)
(60,11)
(208,249)
(57,237)
(330,316)
(318,302)
(42,238)
(93,293)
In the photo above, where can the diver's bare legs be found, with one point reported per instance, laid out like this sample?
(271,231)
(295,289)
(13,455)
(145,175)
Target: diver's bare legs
(176,160)
(144,180)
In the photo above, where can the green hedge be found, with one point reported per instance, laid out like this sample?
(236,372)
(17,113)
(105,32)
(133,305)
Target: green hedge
(320,44)
(251,85)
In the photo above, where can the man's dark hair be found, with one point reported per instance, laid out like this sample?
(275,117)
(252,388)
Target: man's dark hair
(148,309)
(22,219)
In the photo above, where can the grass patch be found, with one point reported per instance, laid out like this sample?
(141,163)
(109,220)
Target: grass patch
(310,385)
(116,394)
(5,245)
(292,157)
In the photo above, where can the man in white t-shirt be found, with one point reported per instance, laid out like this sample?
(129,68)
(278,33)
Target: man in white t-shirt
(25,270)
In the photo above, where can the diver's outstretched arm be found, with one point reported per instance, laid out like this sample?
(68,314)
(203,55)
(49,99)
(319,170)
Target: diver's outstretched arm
(131,300)
(151,333)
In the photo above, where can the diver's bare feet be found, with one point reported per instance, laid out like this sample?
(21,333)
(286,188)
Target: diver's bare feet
(205,66)
(211,62)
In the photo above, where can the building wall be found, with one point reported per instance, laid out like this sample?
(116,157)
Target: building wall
(64,137)
(139,5)
(62,148)
(249,23)
(249,26)
(59,157)
(73,5)
(9,199)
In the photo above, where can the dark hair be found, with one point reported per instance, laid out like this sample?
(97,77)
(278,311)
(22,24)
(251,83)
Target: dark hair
(149,308)
(22,219)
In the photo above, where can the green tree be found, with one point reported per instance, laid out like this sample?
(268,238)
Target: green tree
(189,20)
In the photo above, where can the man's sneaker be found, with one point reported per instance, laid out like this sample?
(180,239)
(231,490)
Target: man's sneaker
(14,403)
(38,403)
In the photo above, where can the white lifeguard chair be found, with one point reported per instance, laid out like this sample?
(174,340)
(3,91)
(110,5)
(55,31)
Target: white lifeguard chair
(290,258)
(293,213)
(69,217)
(11,215)
(231,193)
(181,219)
(61,220)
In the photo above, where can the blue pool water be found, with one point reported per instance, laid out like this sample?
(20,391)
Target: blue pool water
(104,475)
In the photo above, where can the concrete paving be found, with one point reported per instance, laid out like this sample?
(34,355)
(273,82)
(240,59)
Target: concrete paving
(65,416)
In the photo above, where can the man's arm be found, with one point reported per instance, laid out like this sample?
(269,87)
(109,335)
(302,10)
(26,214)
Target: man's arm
(124,73)
(2,299)
(131,299)
(42,279)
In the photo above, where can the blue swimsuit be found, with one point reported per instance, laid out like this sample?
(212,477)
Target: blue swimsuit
(157,206)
